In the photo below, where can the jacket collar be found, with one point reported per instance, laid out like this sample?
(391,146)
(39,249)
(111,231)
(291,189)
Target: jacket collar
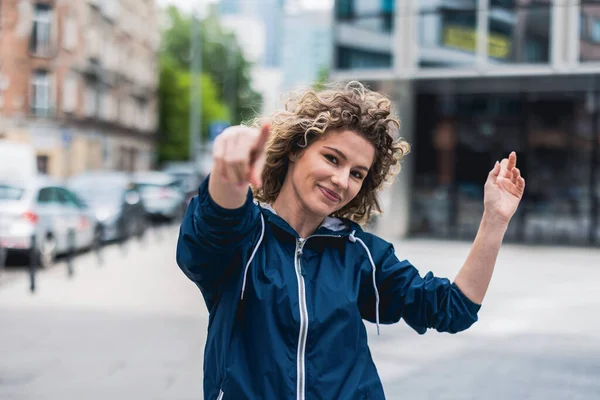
(330,226)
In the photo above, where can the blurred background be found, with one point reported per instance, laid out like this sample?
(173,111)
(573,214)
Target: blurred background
(108,110)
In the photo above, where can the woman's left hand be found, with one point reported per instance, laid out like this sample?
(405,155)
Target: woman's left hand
(504,189)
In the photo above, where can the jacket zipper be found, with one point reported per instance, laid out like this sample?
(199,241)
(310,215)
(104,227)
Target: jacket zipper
(300,381)
(302,335)
(221,394)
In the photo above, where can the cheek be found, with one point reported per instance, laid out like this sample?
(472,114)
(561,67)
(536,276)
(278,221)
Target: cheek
(353,191)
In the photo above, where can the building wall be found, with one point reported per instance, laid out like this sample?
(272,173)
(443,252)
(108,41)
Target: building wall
(101,63)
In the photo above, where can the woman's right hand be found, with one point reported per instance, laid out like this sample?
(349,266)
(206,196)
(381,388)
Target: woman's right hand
(239,158)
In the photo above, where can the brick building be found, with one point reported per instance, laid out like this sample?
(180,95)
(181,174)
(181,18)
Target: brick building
(78,81)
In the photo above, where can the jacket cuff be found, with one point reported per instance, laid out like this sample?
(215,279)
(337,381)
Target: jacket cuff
(472,307)
(215,209)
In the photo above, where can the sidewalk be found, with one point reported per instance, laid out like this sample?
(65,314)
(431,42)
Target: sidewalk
(135,328)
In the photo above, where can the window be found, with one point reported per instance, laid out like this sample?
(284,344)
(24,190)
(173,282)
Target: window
(589,31)
(107,106)
(348,58)
(65,198)
(595,34)
(448,34)
(69,38)
(9,192)
(69,94)
(40,94)
(42,164)
(344,9)
(47,195)
(91,101)
(41,32)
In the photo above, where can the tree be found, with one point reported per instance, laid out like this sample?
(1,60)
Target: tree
(174,110)
(322,78)
(222,60)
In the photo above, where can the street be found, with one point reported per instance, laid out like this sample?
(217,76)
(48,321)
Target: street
(134,328)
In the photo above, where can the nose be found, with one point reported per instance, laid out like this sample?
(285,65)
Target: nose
(341,180)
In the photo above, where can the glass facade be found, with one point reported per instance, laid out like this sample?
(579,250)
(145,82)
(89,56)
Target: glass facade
(350,58)
(589,31)
(519,31)
(465,121)
(373,21)
(556,136)
(447,33)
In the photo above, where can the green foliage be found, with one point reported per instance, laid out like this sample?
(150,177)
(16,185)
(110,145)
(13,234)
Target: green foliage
(222,60)
(322,78)
(174,112)
(227,94)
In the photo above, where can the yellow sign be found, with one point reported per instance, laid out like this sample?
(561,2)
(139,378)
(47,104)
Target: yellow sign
(462,38)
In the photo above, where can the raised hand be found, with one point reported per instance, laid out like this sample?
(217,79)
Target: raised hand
(504,189)
(239,155)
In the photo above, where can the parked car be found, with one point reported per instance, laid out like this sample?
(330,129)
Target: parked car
(162,194)
(43,208)
(188,175)
(115,200)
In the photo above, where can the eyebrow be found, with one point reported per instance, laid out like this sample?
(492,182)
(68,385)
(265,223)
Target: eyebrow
(343,156)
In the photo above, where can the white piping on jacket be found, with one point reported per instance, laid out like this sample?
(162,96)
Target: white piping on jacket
(354,239)
(262,235)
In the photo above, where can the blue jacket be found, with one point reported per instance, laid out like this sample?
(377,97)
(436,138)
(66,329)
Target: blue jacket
(286,313)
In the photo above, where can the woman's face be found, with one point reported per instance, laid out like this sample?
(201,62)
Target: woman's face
(329,173)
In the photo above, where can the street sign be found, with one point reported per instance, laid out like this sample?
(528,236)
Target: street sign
(67,138)
(215,129)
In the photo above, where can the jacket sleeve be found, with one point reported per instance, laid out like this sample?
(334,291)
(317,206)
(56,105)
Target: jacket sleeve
(213,241)
(423,302)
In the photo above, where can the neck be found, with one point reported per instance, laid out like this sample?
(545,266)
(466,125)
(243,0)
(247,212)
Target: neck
(289,207)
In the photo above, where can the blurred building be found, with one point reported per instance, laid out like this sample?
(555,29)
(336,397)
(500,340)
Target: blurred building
(473,80)
(255,25)
(78,81)
(307,47)
(270,13)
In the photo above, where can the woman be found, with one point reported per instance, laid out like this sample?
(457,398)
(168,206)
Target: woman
(288,279)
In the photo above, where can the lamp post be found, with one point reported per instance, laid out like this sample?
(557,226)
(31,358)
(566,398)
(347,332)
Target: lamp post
(195,87)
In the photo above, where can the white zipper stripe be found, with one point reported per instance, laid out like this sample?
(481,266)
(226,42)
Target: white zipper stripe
(220,395)
(303,334)
(300,381)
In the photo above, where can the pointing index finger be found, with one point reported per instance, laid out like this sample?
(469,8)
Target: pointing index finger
(265,131)
(512,161)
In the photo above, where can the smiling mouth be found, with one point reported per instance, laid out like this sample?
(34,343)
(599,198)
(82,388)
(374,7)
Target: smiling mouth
(329,194)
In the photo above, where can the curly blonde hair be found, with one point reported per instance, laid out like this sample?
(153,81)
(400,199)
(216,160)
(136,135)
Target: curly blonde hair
(309,114)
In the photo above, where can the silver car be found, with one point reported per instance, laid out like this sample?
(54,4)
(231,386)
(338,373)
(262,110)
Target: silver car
(161,193)
(47,210)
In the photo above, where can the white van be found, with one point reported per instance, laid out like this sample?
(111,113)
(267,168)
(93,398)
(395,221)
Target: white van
(18,162)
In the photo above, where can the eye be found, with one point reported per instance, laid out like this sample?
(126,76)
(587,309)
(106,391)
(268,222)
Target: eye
(357,175)
(332,159)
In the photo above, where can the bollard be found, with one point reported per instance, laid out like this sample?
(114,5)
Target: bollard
(34,255)
(158,230)
(141,234)
(70,252)
(125,236)
(98,246)
(3,255)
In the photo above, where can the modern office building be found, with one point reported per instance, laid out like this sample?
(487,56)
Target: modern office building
(271,13)
(306,46)
(474,80)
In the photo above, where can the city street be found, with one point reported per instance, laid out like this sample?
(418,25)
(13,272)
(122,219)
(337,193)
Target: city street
(134,328)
